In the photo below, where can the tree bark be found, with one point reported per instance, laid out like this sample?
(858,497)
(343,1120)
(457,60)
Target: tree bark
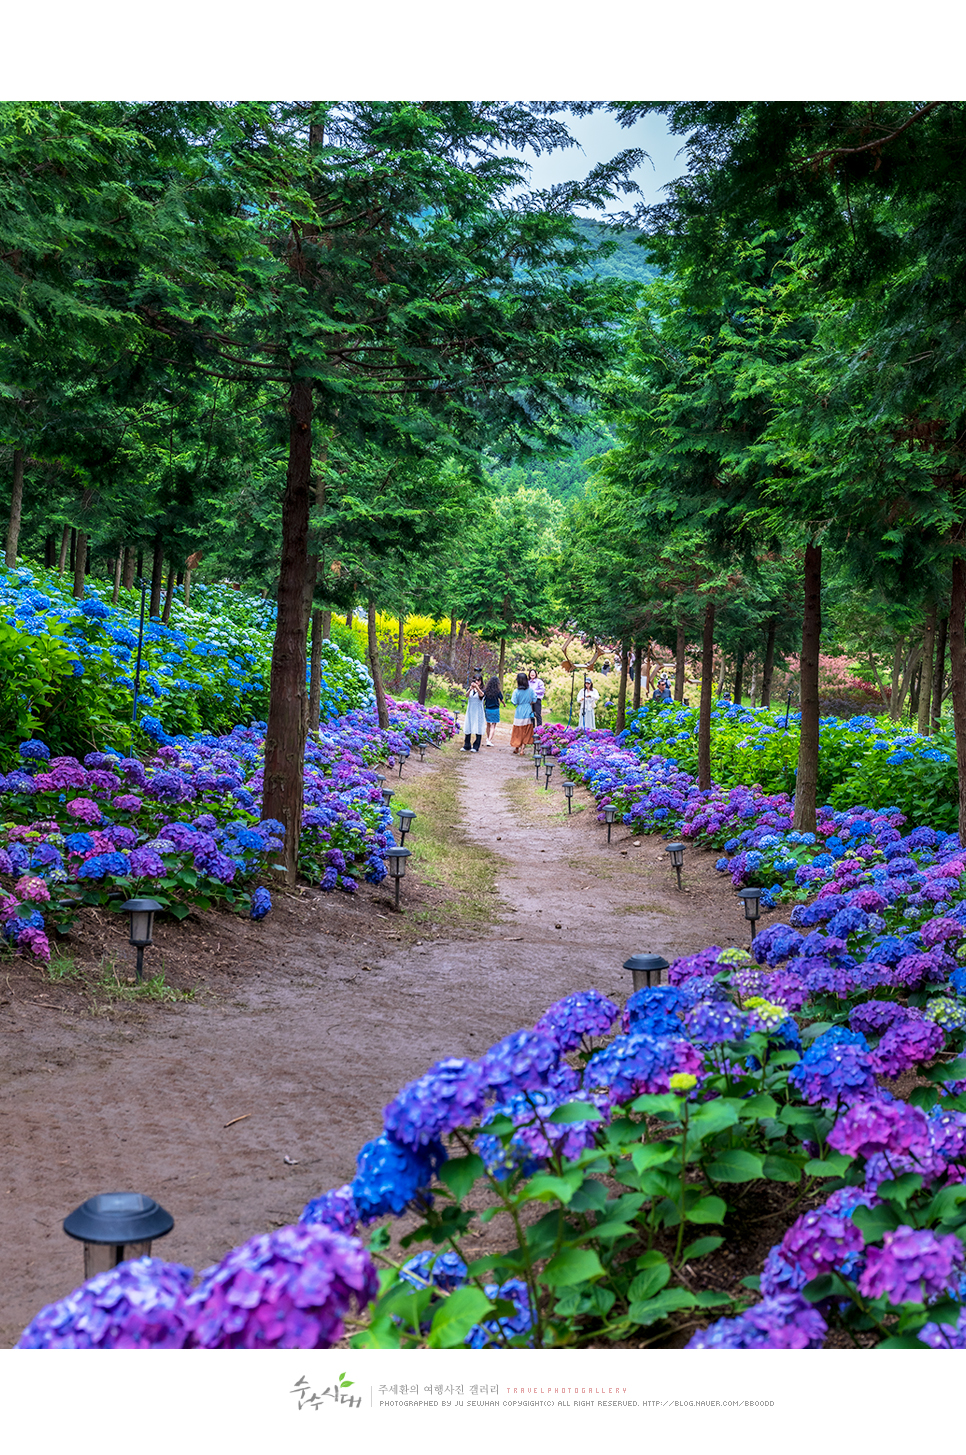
(157,573)
(679,664)
(423,681)
(16,507)
(118,563)
(957,667)
(326,626)
(73,550)
(707,684)
(169,593)
(127,575)
(140,565)
(453,623)
(768,666)
(502,660)
(80,565)
(287,712)
(622,690)
(187,587)
(348,620)
(806,784)
(374,667)
(50,552)
(400,647)
(64,544)
(722,672)
(939,674)
(638,669)
(315,672)
(739,674)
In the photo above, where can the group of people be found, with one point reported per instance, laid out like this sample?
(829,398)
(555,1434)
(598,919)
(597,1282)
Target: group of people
(483,703)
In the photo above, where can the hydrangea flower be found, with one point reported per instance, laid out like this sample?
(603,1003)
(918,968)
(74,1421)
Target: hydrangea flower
(872,1126)
(639,1063)
(912,1266)
(335,1209)
(261,903)
(834,1072)
(908,1043)
(783,1321)
(435,1270)
(289,1289)
(449,1095)
(389,1175)
(520,1061)
(714,1022)
(820,1241)
(586,1013)
(140,1304)
(499,1332)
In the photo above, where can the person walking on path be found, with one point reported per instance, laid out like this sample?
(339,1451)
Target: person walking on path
(539,692)
(586,701)
(474,720)
(492,697)
(522,698)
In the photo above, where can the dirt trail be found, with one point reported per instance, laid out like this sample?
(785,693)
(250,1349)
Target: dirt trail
(313,1021)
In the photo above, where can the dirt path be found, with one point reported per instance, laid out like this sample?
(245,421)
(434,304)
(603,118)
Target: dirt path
(306,1024)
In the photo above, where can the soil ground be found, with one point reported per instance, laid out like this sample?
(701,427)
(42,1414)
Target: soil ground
(236,1103)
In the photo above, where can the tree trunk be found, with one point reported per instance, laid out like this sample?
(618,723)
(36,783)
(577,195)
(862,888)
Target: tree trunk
(939,674)
(423,681)
(622,690)
(502,660)
(638,666)
(739,674)
(806,785)
(157,573)
(348,620)
(327,626)
(140,565)
(187,587)
(80,565)
(169,593)
(287,715)
(722,671)
(462,631)
(127,576)
(16,506)
(452,636)
(50,552)
(376,670)
(64,544)
(957,667)
(768,666)
(754,679)
(315,672)
(118,563)
(679,664)
(400,648)
(73,550)
(707,683)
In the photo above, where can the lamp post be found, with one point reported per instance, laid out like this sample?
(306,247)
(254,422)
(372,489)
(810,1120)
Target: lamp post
(537,764)
(116,1226)
(750,898)
(568,789)
(387,796)
(380,779)
(676,852)
(406,816)
(788,707)
(402,761)
(610,814)
(645,970)
(142,912)
(548,769)
(422,752)
(396,857)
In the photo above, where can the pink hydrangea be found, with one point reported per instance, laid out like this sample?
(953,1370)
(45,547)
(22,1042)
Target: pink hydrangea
(84,809)
(34,890)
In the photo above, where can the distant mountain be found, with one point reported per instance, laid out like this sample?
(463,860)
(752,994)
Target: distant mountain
(629,260)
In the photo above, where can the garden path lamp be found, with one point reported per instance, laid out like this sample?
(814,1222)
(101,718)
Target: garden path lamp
(116,1226)
(142,912)
(750,898)
(402,761)
(380,779)
(548,769)
(610,814)
(788,707)
(676,852)
(537,764)
(422,752)
(568,789)
(645,970)
(406,816)
(396,858)
(387,796)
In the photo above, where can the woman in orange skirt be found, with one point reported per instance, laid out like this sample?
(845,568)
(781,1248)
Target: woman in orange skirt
(521,734)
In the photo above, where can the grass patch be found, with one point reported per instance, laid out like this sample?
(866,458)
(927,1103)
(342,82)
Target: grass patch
(443,857)
(106,982)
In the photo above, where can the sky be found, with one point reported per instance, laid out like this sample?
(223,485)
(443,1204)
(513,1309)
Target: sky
(601,138)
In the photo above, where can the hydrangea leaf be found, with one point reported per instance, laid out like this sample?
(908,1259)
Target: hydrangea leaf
(734,1164)
(459,1174)
(670,1301)
(574,1111)
(457,1315)
(572,1265)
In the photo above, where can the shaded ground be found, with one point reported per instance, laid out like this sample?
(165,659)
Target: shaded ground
(299,1029)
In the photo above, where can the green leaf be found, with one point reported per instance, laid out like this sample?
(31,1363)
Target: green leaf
(708,1210)
(833,1164)
(572,1265)
(947,1071)
(819,1288)
(925,1097)
(818,1028)
(574,1111)
(700,1247)
(734,1165)
(611,1229)
(547,1188)
(665,1303)
(659,1104)
(781,1169)
(649,1282)
(501,1126)
(591,1196)
(710,1299)
(902,1341)
(714,1116)
(455,1317)
(760,1105)
(900,1189)
(872,1222)
(653,1154)
(459,1174)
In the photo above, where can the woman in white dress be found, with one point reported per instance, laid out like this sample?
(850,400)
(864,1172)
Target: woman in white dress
(586,701)
(474,719)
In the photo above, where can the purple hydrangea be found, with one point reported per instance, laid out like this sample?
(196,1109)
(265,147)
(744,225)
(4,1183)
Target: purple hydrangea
(875,1016)
(832,1072)
(334,1209)
(638,1063)
(289,1289)
(912,1266)
(783,1321)
(520,1061)
(585,1013)
(820,1241)
(449,1095)
(878,1126)
(714,1022)
(908,1044)
(137,1305)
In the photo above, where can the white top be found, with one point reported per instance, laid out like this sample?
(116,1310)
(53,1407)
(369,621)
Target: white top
(587,697)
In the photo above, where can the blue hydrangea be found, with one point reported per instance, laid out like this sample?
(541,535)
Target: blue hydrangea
(586,1013)
(435,1270)
(261,903)
(520,1061)
(389,1175)
(497,1332)
(713,1022)
(448,1096)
